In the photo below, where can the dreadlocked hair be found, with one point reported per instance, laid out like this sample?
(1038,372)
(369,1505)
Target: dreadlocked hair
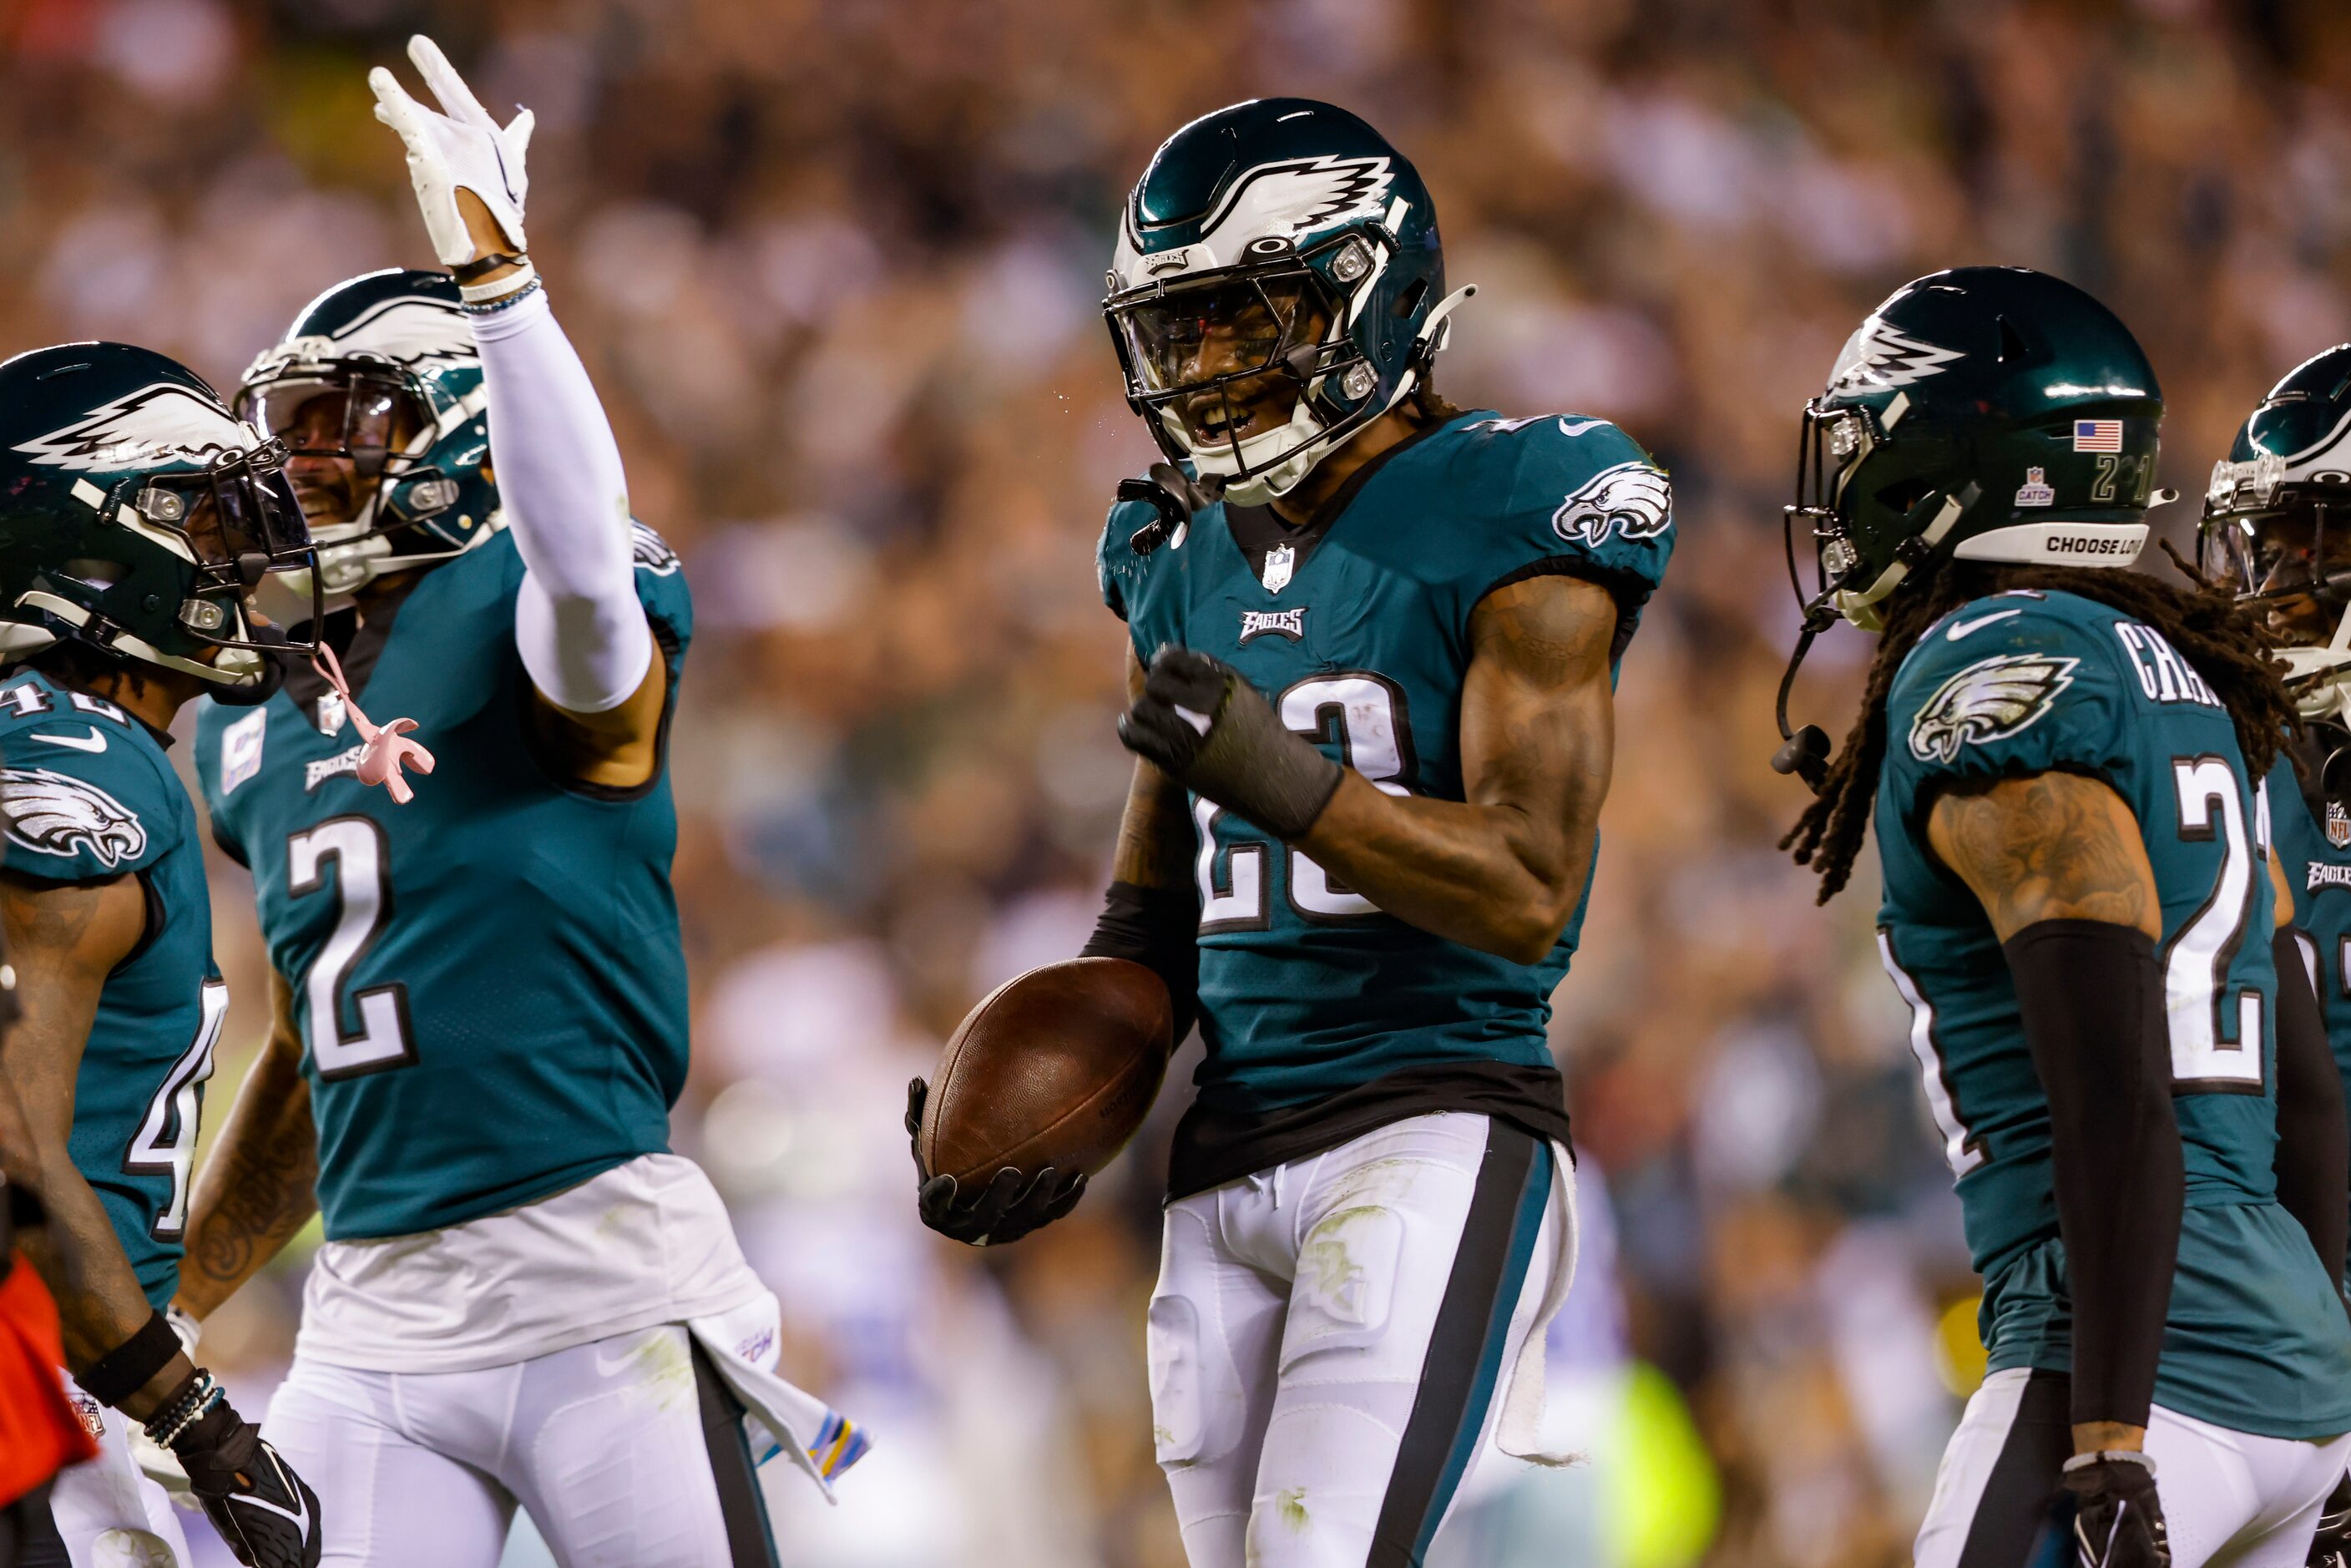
(2204,623)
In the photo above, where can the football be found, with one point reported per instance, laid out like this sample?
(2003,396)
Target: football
(1055,1067)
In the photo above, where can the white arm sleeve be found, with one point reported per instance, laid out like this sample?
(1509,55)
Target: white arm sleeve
(577,624)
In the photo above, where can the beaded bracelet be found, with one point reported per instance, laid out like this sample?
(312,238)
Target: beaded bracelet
(196,1402)
(504,302)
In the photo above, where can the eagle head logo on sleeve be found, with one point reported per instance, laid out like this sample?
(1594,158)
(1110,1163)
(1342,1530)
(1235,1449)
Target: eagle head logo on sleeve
(1988,701)
(56,814)
(1631,499)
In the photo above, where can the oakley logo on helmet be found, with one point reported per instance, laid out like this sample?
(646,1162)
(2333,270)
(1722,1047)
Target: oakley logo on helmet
(157,423)
(1879,356)
(55,814)
(1631,498)
(1988,701)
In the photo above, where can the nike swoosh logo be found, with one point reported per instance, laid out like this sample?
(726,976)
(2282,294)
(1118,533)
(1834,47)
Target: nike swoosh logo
(1961,628)
(92,742)
(1579,426)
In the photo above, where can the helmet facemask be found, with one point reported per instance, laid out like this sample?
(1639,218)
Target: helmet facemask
(363,430)
(1249,372)
(2286,550)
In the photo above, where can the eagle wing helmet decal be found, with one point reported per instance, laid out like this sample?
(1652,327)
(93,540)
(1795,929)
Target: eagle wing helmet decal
(158,423)
(1988,700)
(1879,355)
(1631,498)
(56,814)
(408,330)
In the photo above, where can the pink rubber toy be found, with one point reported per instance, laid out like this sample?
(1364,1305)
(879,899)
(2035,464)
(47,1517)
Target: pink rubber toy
(384,750)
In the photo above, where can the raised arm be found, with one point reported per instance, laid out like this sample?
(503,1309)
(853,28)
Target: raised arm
(2059,865)
(258,1185)
(579,626)
(64,938)
(1500,870)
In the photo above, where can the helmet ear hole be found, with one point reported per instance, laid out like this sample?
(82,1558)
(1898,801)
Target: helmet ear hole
(1409,301)
(1903,494)
(2011,343)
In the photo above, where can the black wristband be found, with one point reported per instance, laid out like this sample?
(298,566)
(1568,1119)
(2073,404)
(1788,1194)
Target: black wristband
(1159,928)
(473,269)
(130,1365)
(2090,996)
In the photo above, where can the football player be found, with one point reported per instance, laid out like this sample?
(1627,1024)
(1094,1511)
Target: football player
(137,516)
(1372,645)
(2277,530)
(524,1298)
(2063,758)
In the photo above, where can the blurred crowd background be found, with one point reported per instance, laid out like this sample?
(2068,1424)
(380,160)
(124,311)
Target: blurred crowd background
(835,266)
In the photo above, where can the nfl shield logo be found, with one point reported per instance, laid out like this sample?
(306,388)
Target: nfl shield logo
(2338,825)
(1278,562)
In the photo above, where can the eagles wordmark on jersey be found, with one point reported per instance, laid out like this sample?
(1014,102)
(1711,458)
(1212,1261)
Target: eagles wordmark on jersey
(2024,682)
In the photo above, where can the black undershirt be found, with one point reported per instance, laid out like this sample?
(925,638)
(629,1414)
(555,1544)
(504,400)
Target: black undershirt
(1216,1144)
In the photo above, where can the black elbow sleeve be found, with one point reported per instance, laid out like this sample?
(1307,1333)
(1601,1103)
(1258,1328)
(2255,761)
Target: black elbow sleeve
(1159,928)
(2091,993)
(2313,1156)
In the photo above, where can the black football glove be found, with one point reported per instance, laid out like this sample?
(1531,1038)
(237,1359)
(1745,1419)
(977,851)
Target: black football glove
(1008,1208)
(267,1513)
(1202,723)
(2331,1547)
(2117,1518)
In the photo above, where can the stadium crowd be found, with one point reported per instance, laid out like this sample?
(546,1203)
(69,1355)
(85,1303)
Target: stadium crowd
(835,267)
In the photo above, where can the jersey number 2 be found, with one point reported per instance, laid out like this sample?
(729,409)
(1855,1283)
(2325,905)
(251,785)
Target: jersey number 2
(2214,1046)
(363,883)
(1364,714)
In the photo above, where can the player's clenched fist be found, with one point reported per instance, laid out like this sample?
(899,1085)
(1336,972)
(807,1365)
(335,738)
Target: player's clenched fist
(1202,723)
(267,1513)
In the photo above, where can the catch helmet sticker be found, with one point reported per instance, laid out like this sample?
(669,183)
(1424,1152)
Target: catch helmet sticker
(1990,700)
(1631,498)
(56,814)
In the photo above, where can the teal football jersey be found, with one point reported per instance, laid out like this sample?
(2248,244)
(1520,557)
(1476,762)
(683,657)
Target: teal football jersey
(88,794)
(2314,846)
(489,980)
(2024,682)
(1357,630)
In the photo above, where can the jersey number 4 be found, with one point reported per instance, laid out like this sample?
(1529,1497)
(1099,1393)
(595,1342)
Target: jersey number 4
(362,885)
(166,1144)
(1364,714)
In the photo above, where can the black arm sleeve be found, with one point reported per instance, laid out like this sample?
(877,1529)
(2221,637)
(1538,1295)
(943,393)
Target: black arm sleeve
(2092,998)
(1159,928)
(2313,1156)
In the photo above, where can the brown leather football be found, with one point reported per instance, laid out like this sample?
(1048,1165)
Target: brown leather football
(1056,1067)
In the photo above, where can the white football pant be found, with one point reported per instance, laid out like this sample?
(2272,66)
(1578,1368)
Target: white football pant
(1331,1341)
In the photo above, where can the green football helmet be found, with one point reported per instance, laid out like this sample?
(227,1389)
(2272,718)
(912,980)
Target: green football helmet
(379,377)
(137,515)
(2277,527)
(1296,234)
(1990,414)
(1987,413)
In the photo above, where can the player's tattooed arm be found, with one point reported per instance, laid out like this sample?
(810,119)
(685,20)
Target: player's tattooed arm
(1154,834)
(64,940)
(2050,846)
(259,1186)
(1503,869)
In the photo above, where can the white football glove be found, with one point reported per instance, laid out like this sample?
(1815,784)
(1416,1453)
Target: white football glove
(461,149)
